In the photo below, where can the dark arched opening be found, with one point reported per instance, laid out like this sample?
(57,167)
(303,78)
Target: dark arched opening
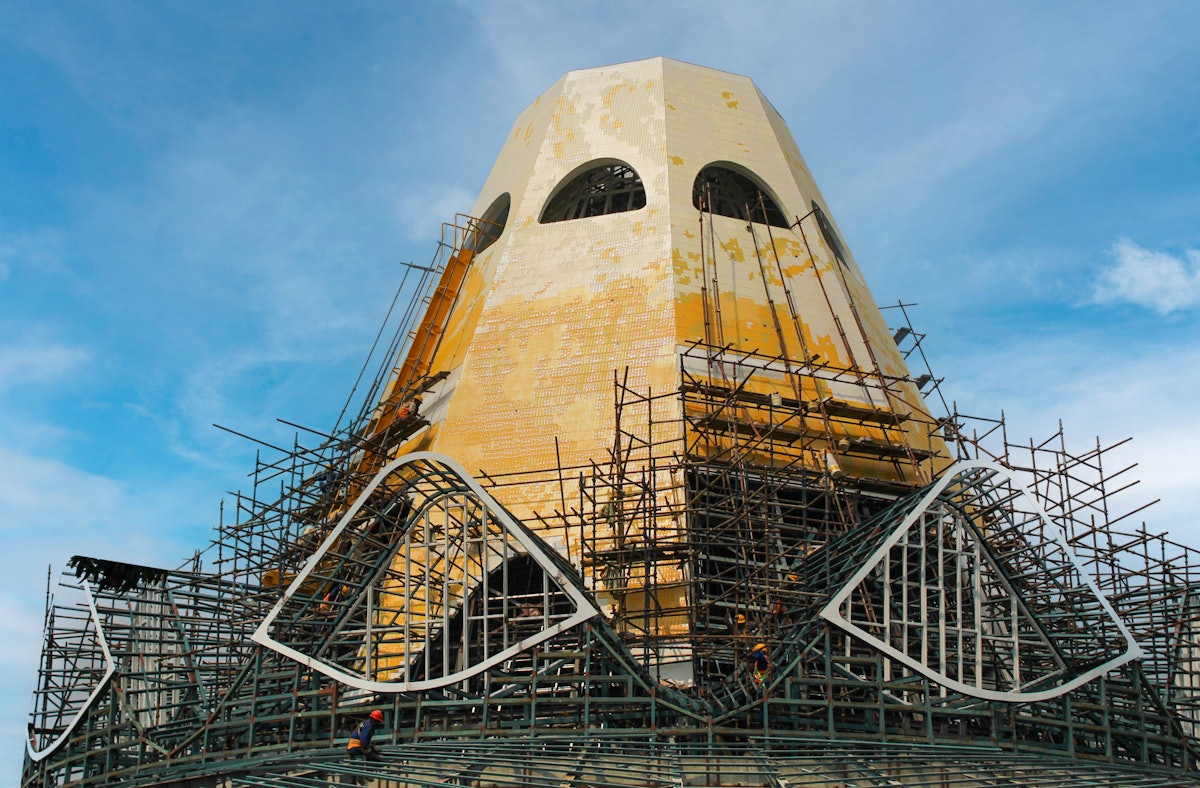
(608,188)
(726,192)
(491,225)
(832,239)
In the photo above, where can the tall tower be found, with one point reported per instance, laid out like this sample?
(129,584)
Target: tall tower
(655,217)
(654,223)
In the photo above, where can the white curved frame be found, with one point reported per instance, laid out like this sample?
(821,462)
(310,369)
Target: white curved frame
(832,613)
(586,608)
(38,755)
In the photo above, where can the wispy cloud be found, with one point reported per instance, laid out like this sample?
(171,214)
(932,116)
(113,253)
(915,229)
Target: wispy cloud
(28,479)
(41,528)
(1155,280)
(102,516)
(34,363)
(422,211)
(40,249)
(19,649)
(1098,388)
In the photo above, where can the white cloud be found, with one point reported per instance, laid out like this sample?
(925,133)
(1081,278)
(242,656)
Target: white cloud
(29,484)
(19,651)
(1149,400)
(40,250)
(1155,280)
(32,363)
(1099,389)
(50,511)
(422,211)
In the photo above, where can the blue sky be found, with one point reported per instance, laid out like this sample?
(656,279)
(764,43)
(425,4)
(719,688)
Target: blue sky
(204,209)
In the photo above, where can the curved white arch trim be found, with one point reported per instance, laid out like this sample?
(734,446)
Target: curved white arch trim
(586,608)
(38,755)
(832,613)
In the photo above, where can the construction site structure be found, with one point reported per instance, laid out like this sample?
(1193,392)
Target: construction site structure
(645,479)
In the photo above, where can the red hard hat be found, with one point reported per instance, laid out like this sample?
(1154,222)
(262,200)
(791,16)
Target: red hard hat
(377,715)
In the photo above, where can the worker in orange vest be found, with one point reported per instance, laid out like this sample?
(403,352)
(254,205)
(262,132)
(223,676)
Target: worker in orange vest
(760,663)
(360,745)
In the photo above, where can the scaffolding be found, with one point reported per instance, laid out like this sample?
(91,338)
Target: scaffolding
(916,580)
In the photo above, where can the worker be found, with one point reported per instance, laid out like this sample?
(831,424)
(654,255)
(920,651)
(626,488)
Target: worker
(739,625)
(333,597)
(360,745)
(760,662)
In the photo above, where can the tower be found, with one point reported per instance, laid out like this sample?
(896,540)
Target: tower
(654,222)
(656,217)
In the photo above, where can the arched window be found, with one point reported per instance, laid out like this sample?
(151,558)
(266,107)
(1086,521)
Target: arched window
(726,192)
(607,188)
(491,224)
